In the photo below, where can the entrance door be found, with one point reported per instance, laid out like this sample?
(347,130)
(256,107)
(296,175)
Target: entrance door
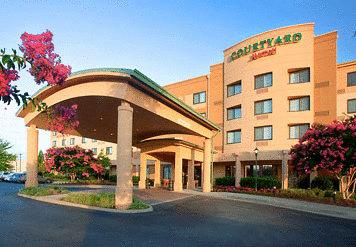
(197,174)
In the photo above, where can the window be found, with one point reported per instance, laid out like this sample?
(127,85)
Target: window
(263,107)
(71,141)
(299,104)
(94,140)
(298,130)
(54,133)
(63,142)
(234,136)
(234,112)
(234,88)
(95,150)
(299,76)
(199,98)
(203,114)
(264,80)
(229,171)
(351,106)
(54,143)
(351,79)
(109,150)
(84,140)
(263,133)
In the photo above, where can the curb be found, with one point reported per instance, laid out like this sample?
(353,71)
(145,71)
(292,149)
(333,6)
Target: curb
(56,199)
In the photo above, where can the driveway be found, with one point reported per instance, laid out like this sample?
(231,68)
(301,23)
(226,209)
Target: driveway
(192,221)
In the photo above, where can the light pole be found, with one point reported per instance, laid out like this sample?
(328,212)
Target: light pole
(20,161)
(255,173)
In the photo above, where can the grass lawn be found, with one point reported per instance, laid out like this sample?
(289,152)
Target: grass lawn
(43,191)
(103,200)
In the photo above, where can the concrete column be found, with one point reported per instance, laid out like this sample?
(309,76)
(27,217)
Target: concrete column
(143,172)
(32,157)
(178,167)
(123,196)
(207,166)
(284,169)
(191,183)
(237,170)
(157,173)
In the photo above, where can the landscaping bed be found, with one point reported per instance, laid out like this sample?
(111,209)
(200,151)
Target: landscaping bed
(312,195)
(43,191)
(103,200)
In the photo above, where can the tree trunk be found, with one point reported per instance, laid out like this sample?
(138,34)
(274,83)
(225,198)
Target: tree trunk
(347,184)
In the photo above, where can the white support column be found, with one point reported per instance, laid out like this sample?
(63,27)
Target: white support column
(284,169)
(143,172)
(32,157)
(206,166)
(178,185)
(237,170)
(157,173)
(124,188)
(191,183)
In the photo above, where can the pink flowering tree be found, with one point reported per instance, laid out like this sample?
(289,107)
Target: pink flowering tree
(331,147)
(75,162)
(62,118)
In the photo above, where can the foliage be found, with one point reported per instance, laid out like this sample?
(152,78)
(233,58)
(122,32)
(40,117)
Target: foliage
(322,183)
(62,118)
(105,162)
(73,161)
(303,182)
(5,157)
(103,200)
(43,191)
(41,166)
(262,182)
(135,180)
(45,67)
(329,147)
(225,181)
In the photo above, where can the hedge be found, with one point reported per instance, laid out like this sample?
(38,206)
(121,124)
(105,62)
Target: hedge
(262,182)
(225,181)
(322,183)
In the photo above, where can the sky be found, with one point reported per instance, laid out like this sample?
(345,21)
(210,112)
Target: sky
(167,40)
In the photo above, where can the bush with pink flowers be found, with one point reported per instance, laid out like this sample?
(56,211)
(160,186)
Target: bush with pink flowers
(74,162)
(332,148)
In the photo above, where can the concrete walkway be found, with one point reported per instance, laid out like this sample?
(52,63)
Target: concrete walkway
(310,207)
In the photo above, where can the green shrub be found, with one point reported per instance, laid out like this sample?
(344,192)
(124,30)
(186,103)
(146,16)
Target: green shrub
(322,182)
(43,191)
(225,181)
(112,178)
(135,180)
(303,182)
(262,182)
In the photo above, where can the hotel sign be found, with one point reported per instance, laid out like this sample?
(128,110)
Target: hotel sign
(265,44)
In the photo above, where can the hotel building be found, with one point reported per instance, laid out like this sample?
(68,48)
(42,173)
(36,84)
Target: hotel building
(264,95)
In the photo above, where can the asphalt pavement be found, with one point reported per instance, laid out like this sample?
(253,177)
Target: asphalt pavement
(193,221)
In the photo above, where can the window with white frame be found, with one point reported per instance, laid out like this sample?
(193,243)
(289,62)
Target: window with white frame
(234,112)
(351,106)
(263,107)
(351,79)
(71,141)
(108,150)
(264,80)
(199,97)
(299,76)
(299,104)
(233,136)
(263,133)
(296,131)
(234,89)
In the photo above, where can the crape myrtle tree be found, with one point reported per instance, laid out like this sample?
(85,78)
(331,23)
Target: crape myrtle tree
(332,148)
(37,54)
(6,158)
(73,161)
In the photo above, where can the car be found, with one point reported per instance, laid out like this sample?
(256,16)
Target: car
(6,176)
(3,174)
(17,178)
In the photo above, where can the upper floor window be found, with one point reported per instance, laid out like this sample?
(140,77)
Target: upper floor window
(199,98)
(298,130)
(63,142)
(94,140)
(234,112)
(84,140)
(263,133)
(299,76)
(263,106)
(234,88)
(351,79)
(71,141)
(299,104)
(95,150)
(233,136)
(351,106)
(54,143)
(264,80)
(54,133)
(109,150)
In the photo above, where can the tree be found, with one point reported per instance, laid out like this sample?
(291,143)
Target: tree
(105,162)
(73,161)
(329,147)
(5,157)
(41,166)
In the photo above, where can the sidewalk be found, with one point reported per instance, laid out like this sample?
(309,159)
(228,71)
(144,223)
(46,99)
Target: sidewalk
(310,207)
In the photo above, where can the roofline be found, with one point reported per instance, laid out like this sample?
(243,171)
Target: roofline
(186,80)
(143,78)
(271,30)
(345,64)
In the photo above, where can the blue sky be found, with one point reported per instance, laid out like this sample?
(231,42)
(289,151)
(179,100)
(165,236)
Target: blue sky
(167,40)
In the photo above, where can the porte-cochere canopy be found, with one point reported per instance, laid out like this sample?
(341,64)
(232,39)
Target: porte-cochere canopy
(121,106)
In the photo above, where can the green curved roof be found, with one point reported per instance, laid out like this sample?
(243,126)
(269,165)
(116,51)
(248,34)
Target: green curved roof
(144,79)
